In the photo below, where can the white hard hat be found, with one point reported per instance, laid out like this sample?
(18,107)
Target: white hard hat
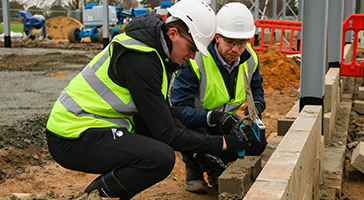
(234,20)
(199,18)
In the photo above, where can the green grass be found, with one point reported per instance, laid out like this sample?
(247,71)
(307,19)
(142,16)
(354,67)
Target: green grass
(17,28)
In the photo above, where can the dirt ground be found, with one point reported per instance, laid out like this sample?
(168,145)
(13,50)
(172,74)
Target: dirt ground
(27,167)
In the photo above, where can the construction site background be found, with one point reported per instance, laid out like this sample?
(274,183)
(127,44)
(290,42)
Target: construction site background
(25,163)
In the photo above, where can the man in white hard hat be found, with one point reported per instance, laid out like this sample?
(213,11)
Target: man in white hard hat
(114,117)
(211,89)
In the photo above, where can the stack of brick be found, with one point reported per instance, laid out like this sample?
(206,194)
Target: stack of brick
(295,167)
(306,160)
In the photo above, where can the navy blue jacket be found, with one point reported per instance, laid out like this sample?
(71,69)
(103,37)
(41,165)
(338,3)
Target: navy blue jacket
(185,89)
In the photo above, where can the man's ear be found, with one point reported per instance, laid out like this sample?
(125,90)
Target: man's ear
(217,38)
(172,33)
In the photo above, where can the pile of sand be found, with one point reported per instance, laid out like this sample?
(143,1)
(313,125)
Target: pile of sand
(278,70)
(57,27)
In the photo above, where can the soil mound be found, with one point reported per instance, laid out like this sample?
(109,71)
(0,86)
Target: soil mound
(278,70)
(57,27)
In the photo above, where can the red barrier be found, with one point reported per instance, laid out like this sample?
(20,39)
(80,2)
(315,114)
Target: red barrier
(277,24)
(164,16)
(355,22)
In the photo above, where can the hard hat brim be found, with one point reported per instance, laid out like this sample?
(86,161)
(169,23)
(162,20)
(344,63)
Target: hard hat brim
(237,35)
(202,48)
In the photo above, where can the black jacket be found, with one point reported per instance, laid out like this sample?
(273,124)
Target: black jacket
(142,74)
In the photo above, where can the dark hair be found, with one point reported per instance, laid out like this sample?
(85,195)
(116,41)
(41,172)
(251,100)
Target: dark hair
(179,24)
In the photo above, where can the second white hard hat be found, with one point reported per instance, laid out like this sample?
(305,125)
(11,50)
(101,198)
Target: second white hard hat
(234,20)
(199,18)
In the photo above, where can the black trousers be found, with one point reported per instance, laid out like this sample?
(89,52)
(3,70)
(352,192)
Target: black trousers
(138,162)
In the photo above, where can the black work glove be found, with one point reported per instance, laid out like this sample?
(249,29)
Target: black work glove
(239,139)
(258,108)
(225,121)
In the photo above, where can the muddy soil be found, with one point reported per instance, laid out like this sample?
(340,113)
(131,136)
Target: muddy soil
(27,167)
(57,44)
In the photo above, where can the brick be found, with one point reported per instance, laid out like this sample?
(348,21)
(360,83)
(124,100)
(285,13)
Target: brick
(273,140)
(352,173)
(334,161)
(321,157)
(361,93)
(283,125)
(358,81)
(348,53)
(293,141)
(330,118)
(256,165)
(267,153)
(359,106)
(279,167)
(329,125)
(239,176)
(349,85)
(307,192)
(304,124)
(294,112)
(311,111)
(317,171)
(357,159)
(268,190)
(347,96)
(328,194)
(235,182)
(331,85)
(335,182)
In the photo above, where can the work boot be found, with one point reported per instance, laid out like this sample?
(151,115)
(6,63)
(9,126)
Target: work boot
(194,179)
(214,167)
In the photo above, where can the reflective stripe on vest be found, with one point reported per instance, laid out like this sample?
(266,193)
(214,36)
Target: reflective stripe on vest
(213,95)
(93,100)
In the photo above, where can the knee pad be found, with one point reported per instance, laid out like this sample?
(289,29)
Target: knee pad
(109,186)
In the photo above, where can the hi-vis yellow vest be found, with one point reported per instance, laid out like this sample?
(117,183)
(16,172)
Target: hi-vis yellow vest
(213,94)
(93,100)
